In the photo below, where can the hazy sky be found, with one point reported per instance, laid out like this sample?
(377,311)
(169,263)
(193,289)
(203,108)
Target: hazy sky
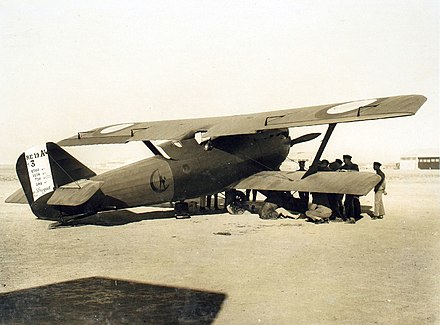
(68,66)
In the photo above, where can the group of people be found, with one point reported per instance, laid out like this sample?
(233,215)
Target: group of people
(205,202)
(325,206)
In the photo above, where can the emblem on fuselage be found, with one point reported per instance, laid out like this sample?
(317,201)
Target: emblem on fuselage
(158,182)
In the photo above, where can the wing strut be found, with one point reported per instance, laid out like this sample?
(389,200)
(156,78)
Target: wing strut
(314,167)
(152,148)
(156,150)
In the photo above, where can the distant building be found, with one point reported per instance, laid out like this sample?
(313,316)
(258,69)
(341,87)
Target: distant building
(420,160)
(431,162)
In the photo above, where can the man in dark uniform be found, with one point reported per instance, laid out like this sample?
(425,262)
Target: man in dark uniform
(335,199)
(208,201)
(323,166)
(331,199)
(336,165)
(351,203)
(254,195)
(304,196)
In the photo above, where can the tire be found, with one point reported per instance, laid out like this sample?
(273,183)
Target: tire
(235,202)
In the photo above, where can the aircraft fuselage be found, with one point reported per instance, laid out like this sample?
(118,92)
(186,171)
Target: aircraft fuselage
(192,171)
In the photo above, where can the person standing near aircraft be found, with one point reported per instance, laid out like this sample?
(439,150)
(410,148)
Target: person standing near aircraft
(303,196)
(336,165)
(348,164)
(254,195)
(351,203)
(202,204)
(205,202)
(208,201)
(379,189)
(335,199)
(324,166)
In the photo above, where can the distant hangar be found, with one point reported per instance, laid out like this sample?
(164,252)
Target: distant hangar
(426,159)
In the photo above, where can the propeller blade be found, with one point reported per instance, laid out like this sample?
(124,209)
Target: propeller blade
(304,138)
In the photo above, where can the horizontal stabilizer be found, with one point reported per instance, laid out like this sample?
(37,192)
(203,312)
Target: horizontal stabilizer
(75,193)
(356,183)
(17,197)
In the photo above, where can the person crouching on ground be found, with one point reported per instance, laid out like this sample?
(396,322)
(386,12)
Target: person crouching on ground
(318,213)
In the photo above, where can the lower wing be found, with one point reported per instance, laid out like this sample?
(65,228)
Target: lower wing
(356,183)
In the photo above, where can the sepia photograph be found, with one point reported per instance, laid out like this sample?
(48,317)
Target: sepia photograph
(219,162)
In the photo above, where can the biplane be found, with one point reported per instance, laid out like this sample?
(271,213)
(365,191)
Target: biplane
(200,157)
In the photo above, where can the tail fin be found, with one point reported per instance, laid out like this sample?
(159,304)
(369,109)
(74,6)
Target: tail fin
(65,168)
(43,169)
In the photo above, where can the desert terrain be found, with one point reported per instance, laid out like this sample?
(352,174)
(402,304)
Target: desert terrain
(144,266)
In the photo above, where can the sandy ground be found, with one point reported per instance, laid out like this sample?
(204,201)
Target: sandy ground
(262,272)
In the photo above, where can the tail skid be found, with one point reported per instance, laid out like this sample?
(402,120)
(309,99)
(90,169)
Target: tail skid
(69,221)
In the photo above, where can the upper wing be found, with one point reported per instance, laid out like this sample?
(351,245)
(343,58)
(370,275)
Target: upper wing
(251,123)
(356,183)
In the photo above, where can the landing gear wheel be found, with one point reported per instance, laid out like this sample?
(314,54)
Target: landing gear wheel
(181,210)
(235,202)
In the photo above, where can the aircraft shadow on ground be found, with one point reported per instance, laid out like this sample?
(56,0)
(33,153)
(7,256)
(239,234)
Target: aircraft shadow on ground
(123,217)
(98,300)
(120,217)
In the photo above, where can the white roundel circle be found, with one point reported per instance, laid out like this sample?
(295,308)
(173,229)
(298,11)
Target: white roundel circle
(115,128)
(343,108)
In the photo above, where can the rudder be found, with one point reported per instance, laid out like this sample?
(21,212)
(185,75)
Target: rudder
(43,169)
